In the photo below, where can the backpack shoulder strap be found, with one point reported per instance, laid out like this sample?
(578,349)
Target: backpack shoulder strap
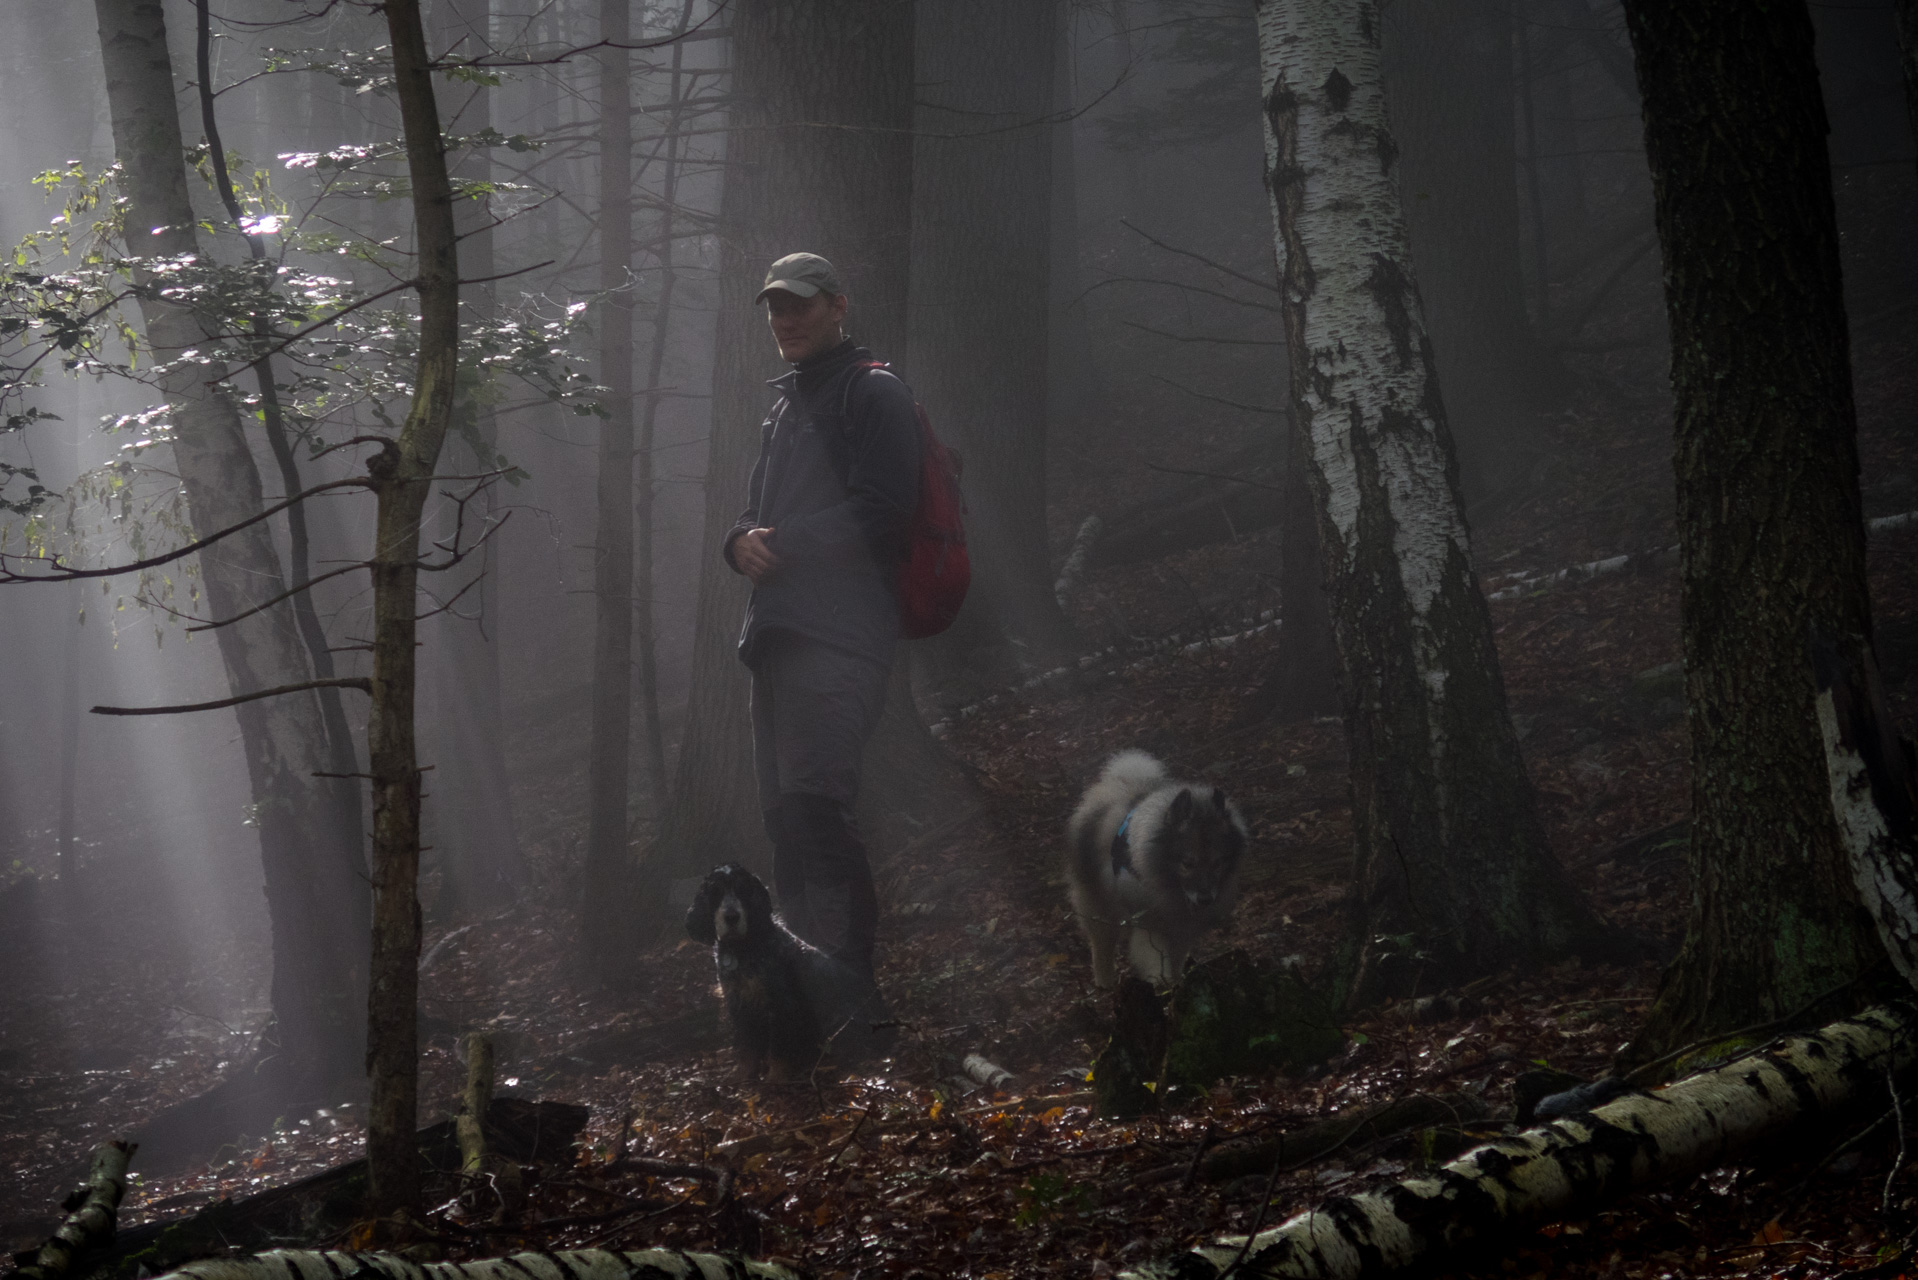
(853,378)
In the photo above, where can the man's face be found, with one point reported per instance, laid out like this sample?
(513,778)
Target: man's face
(805,327)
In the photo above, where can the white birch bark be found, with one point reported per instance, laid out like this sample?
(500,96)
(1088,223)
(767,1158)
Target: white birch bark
(582,1264)
(1370,401)
(1872,794)
(1570,1166)
(1451,853)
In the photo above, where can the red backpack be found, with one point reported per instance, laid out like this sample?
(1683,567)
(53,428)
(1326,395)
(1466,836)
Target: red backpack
(936,569)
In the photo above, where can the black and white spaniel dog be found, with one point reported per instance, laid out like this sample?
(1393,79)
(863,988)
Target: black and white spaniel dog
(789,1002)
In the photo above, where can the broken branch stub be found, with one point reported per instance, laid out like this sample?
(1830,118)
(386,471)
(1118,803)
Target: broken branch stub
(471,1123)
(581,1264)
(1232,1017)
(1572,1165)
(89,1225)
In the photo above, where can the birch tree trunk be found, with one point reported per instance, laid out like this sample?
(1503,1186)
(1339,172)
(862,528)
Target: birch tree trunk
(1771,534)
(314,872)
(402,474)
(981,238)
(575,1264)
(1454,875)
(1874,791)
(604,905)
(819,159)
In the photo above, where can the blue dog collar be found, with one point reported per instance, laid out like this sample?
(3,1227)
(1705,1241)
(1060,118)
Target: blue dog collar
(1121,846)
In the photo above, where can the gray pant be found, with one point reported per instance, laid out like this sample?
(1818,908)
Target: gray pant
(814,707)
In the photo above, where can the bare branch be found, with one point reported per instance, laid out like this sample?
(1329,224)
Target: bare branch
(61,573)
(1187,337)
(1235,404)
(1267,285)
(1214,475)
(288,594)
(342,682)
(1175,284)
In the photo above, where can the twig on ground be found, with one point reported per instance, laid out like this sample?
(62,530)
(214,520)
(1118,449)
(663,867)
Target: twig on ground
(1206,1139)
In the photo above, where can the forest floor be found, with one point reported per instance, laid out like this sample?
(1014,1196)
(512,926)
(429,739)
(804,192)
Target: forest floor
(979,955)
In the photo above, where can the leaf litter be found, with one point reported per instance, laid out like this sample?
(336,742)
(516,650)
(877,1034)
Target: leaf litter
(907,1168)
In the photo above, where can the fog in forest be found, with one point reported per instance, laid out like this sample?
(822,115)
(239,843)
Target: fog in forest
(1088,304)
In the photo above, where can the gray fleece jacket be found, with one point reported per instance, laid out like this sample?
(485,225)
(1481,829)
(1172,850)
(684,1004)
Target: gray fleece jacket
(837,480)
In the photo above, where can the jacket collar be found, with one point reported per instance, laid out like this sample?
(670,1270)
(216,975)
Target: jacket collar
(809,373)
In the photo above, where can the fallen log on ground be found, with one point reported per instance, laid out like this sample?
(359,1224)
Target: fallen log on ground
(314,1208)
(1245,1158)
(1217,500)
(1530,584)
(581,1264)
(90,1221)
(1573,1165)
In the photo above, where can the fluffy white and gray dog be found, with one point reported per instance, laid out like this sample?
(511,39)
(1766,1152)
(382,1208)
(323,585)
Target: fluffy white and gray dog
(1158,856)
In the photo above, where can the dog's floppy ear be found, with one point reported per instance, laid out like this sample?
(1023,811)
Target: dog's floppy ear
(699,916)
(1181,808)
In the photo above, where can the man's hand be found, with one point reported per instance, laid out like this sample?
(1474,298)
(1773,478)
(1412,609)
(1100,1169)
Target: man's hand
(754,558)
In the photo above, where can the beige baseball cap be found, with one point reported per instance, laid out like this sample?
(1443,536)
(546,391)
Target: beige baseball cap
(801,274)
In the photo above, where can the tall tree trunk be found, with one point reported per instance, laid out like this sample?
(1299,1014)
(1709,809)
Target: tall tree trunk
(1455,877)
(1771,533)
(985,199)
(1906,14)
(643,495)
(339,741)
(1302,679)
(67,845)
(1448,81)
(470,799)
(607,859)
(1076,399)
(402,472)
(316,899)
(819,159)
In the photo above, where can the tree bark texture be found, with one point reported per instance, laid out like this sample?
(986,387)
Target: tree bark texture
(470,800)
(608,860)
(344,760)
(1571,1166)
(1771,535)
(819,160)
(1906,13)
(1303,681)
(668,154)
(981,205)
(316,899)
(582,1264)
(1454,875)
(1448,84)
(402,473)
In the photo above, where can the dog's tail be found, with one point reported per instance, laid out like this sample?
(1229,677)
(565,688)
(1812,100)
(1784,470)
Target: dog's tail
(1133,770)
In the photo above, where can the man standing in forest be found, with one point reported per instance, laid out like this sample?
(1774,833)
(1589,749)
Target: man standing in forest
(828,507)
